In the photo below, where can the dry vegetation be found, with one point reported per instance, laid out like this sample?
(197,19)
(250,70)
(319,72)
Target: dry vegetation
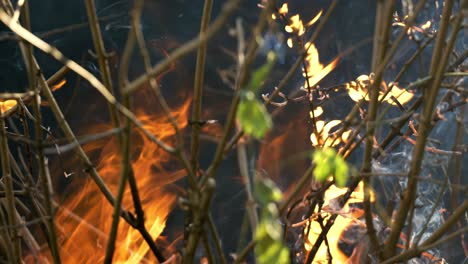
(401,198)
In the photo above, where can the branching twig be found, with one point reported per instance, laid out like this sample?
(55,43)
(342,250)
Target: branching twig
(42,45)
(438,64)
(46,185)
(198,86)
(435,239)
(102,56)
(381,36)
(12,233)
(188,47)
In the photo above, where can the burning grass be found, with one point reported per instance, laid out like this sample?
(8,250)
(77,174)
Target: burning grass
(333,167)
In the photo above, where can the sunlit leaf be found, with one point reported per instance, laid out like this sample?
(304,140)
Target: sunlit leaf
(341,171)
(269,246)
(329,163)
(259,75)
(253,116)
(273,252)
(266,191)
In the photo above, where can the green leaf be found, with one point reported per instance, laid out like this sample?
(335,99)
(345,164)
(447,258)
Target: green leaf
(265,190)
(269,247)
(328,163)
(274,252)
(253,116)
(341,171)
(260,74)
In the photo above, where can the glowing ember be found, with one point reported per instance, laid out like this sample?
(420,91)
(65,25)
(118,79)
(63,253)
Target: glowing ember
(59,85)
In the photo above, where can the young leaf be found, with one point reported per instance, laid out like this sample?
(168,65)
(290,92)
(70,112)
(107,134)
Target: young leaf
(269,233)
(266,191)
(253,116)
(261,73)
(341,171)
(328,163)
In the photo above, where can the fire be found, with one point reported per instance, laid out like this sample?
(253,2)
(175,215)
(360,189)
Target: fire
(325,133)
(315,71)
(358,90)
(325,137)
(296,26)
(283,10)
(59,85)
(7,105)
(348,216)
(84,219)
(315,19)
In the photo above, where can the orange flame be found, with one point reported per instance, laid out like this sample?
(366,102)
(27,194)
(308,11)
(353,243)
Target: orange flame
(59,85)
(84,220)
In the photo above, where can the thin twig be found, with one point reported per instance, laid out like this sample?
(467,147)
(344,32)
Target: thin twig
(12,234)
(435,239)
(241,147)
(188,47)
(241,81)
(200,213)
(439,61)
(216,239)
(42,45)
(46,185)
(243,253)
(382,38)
(127,173)
(102,56)
(198,86)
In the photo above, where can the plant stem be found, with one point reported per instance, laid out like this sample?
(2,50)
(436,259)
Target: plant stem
(241,81)
(216,239)
(198,86)
(102,56)
(199,214)
(437,69)
(56,54)
(46,185)
(383,34)
(188,47)
(9,196)
(435,239)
